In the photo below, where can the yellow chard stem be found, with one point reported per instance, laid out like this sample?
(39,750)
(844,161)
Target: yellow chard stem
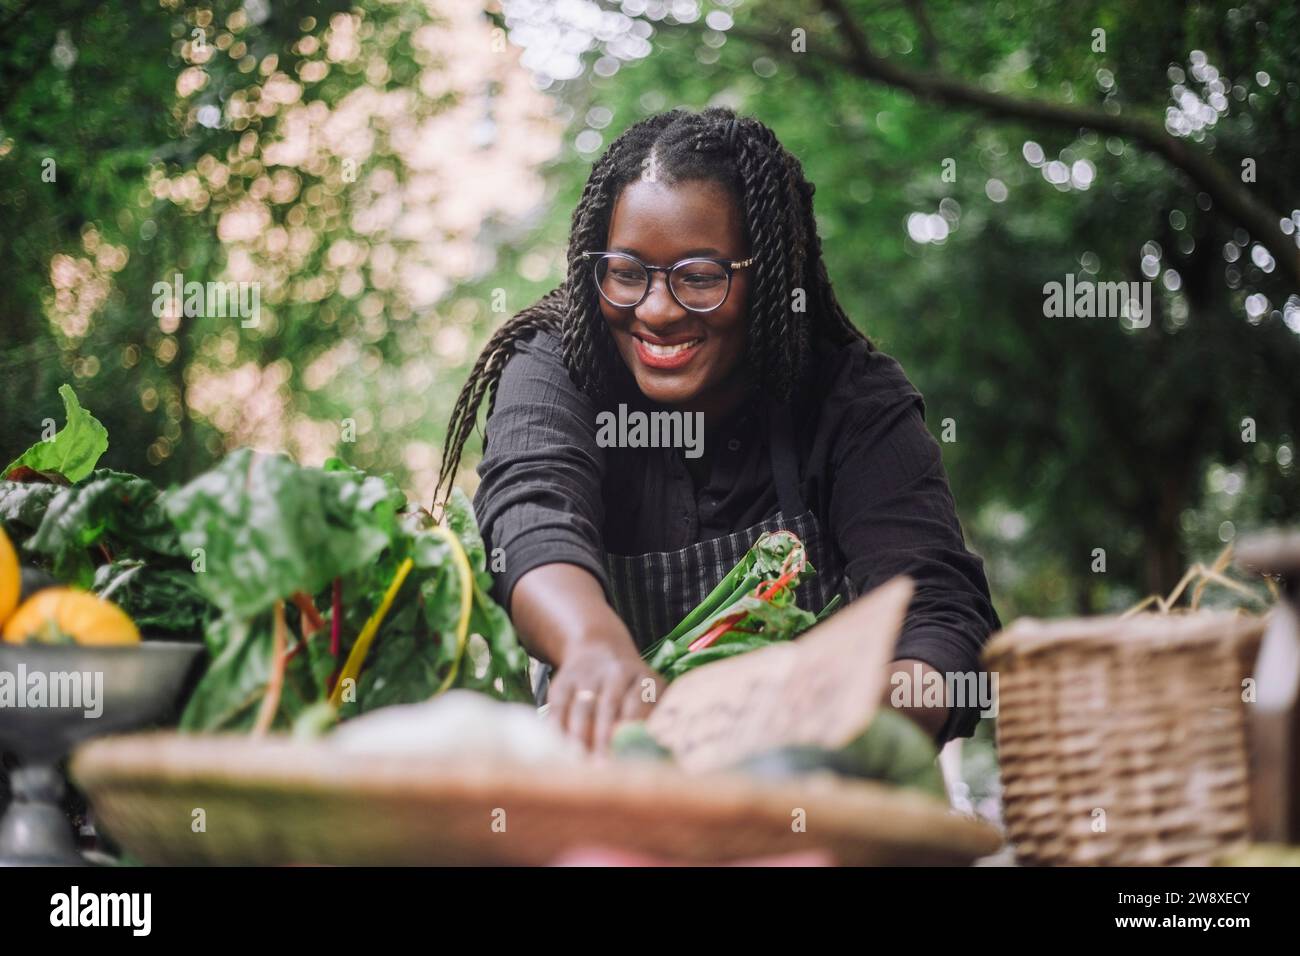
(466,576)
(357,656)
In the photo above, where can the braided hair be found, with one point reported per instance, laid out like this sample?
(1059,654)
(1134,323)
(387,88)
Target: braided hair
(776,203)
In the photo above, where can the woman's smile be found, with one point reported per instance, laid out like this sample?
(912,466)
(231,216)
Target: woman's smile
(664,355)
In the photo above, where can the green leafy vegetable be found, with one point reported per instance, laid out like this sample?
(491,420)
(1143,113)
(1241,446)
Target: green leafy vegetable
(23,504)
(69,528)
(266,527)
(259,539)
(163,601)
(119,509)
(228,695)
(632,740)
(75,448)
(270,529)
(109,533)
(752,606)
(315,721)
(893,749)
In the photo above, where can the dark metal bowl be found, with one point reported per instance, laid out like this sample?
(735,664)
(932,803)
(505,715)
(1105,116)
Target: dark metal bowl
(90,692)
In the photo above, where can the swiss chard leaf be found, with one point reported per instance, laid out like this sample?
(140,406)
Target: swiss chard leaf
(406,668)
(227,696)
(126,507)
(764,623)
(507,661)
(267,528)
(23,504)
(74,449)
(716,652)
(460,519)
(161,601)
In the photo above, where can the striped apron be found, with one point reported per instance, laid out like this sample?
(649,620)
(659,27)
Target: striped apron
(653,592)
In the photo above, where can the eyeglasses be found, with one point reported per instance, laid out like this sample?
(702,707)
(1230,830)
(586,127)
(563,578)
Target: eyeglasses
(698,285)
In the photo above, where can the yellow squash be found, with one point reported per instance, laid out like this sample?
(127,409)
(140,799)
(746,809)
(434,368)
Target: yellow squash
(57,613)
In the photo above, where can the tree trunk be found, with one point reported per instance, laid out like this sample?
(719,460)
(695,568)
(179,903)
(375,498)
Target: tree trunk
(1164,553)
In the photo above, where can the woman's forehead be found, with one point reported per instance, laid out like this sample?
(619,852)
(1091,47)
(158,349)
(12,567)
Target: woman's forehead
(662,220)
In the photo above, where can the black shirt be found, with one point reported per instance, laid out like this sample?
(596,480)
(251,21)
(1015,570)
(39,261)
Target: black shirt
(869,470)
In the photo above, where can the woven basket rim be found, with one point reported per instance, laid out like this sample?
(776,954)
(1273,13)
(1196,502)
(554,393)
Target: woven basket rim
(1146,632)
(1272,551)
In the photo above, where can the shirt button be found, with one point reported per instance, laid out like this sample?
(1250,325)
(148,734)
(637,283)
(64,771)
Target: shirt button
(733,445)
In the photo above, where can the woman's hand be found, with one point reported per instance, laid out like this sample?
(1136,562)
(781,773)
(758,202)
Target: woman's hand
(563,618)
(599,685)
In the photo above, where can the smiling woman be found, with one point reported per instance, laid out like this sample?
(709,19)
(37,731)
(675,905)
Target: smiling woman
(696,285)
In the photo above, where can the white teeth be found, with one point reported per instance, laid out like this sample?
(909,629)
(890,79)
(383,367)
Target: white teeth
(663,351)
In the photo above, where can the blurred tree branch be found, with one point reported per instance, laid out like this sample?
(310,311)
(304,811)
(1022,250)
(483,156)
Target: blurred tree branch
(1232,196)
(929,44)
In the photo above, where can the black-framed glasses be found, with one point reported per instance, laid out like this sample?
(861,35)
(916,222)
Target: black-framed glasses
(698,285)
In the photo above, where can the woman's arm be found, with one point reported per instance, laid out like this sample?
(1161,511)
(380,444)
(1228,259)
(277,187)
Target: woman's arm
(902,673)
(893,513)
(539,497)
(562,616)
(540,503)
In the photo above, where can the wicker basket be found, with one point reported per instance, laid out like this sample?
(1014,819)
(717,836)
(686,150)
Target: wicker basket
(276,801)
(1123,741)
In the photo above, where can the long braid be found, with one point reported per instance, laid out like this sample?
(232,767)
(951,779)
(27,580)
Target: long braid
(778,346)
(546,314)
(776,201)
(831,319)
(588,346)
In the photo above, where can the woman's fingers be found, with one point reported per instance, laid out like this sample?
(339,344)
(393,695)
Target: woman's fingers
(558,695)
(591,696)
(612,695)
(582,714)
(572,699)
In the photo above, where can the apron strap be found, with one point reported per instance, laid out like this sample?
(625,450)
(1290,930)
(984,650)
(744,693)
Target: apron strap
(785,463)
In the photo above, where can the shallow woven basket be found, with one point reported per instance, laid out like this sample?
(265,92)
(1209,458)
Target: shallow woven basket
(277,801)
(1123,741)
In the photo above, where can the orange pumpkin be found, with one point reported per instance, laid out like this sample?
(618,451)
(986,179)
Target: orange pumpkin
(10,577)
(55,614)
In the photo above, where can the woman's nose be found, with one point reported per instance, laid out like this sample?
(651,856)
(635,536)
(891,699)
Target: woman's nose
(659,306)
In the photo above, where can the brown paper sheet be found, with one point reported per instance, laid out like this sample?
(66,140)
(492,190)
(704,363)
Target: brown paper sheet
(820,690)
